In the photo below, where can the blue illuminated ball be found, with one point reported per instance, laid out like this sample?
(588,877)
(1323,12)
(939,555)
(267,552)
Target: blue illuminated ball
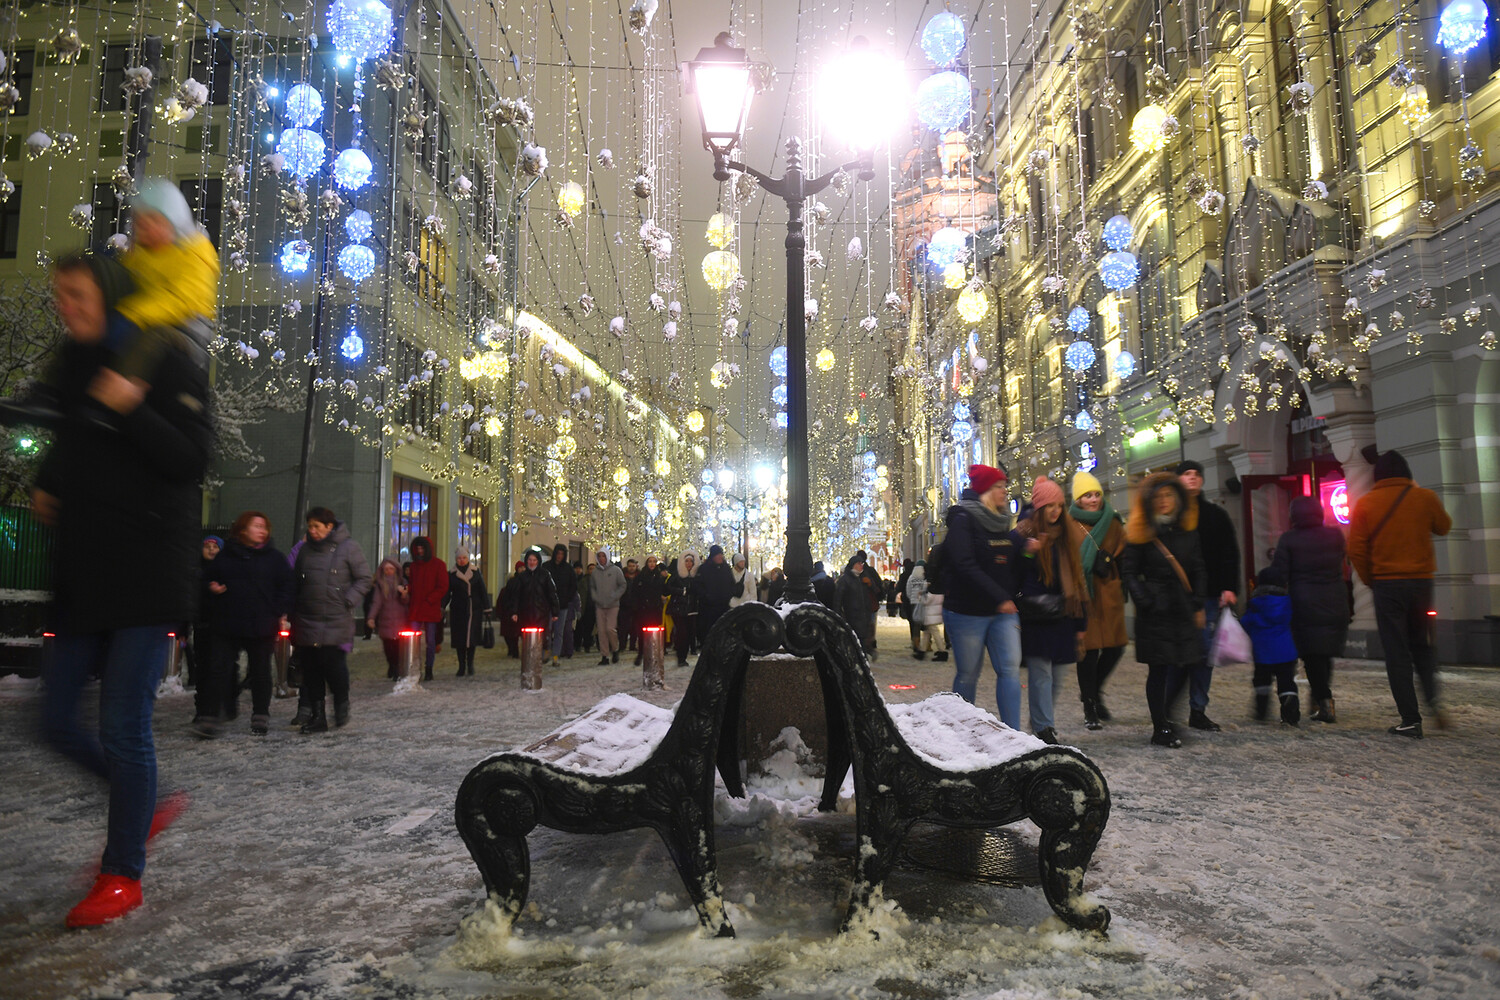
(352,169)
(943,101)
(357,262)
(1117,233)
(1461,26)
(1119,270)
(296,256)
(353,347)
(304,105)
(302,150)
(1079,356)
(361,29)
(1079,320)
(962,432)
(781,419)
(778,362)
(706,494)
(947,247)
(359,225)
(1124,365)
(943,38)
(778,394)
(1083,421)
(961,410)
(869,459)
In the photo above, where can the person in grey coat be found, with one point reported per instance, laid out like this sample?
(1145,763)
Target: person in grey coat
(606,588)
(332,577)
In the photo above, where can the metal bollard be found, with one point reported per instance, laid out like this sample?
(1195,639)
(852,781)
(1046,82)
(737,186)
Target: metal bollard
(412,656)
(653,668)
(532,641)
(174,656)
(284,688)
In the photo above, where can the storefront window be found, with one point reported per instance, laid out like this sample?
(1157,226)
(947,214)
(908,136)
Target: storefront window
(413,512)
(473,528)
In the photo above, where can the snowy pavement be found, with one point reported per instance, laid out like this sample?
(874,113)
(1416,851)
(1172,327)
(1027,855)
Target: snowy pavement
(1261,862)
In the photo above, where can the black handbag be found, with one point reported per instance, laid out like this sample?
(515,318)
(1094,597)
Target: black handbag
(1104,565)
(487,633)
(1042,607)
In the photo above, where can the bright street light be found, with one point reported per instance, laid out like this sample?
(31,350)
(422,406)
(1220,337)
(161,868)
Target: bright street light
(863,96)
(764,477)
(726,479)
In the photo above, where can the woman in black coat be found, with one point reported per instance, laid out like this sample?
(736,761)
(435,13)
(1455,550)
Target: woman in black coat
(1313,559)
(1168,613)
(466,601)
(506,609)
(536,595)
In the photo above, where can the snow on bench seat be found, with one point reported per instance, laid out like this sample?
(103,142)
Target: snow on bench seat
(615,736)
(952,734)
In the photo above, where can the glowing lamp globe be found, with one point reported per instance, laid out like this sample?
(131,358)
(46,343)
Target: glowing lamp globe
(720,230)
(1146,129)
(824,360)
(1079,356)
(1124,365)
(304,105)
(1461,25)
(1413,106)
(720,268)
(1083,421)
(570,199)
(695,422)
(302,150)
(358,225)
(943,38)
(955,276)
(353,347)
(1079,320)
(493,426)
(948,245)
(296,256)
(943,101)
(973,302)
(1119,270)
(352,169)
(622,476)
(778,362)
(778,394)
(962,432)
(361,29)
(662,467)
(1118,233)
(357,262)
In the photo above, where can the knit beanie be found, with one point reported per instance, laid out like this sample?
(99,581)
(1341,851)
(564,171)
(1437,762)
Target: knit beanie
(164,198)
(215,539)
(1045,491)
(461,555)
(1190,465)
(1084,482)
(1392,465)
(716,550)
(982,477)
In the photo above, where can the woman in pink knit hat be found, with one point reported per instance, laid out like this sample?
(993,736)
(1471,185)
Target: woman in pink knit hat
(1052,597)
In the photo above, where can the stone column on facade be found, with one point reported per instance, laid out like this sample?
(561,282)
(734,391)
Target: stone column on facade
(1347,434)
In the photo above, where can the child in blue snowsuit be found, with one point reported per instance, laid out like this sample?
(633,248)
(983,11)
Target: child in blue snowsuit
(1268,622)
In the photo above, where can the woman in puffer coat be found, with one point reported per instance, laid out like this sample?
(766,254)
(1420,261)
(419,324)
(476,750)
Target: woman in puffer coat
(1312,559)
(536,595)
(1168,603)
(388,613)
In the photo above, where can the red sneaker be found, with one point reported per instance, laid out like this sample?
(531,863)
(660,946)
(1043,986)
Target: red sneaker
(112,897)
(167,811)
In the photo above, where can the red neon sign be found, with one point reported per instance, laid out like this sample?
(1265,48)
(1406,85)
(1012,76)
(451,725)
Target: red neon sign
(1335,497)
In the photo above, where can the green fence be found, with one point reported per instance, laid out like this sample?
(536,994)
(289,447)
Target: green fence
(25,550)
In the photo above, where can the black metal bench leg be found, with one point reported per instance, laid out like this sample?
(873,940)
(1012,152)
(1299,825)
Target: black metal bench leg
(692,850)
(1071,813)
(493,821)
(840,750)
(879,839)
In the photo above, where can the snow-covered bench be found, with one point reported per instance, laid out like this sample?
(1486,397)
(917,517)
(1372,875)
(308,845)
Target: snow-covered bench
(622,765)
(945,761)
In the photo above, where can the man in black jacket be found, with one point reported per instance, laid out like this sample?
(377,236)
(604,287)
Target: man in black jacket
(1221,555)
(121,485)
(565,582)
(716,587)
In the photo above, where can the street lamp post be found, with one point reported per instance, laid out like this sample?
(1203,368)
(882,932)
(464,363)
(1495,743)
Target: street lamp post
(720,78)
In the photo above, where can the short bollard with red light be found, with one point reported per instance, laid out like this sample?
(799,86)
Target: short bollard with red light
(174,656)
(653,668)
(411,654)
(532,640)
(284,687)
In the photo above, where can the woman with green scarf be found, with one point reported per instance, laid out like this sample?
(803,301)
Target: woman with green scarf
(1104,639)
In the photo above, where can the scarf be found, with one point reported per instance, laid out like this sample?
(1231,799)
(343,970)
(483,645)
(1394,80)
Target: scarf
(467,573)
(1098,522)
(1060,545)
(995,524)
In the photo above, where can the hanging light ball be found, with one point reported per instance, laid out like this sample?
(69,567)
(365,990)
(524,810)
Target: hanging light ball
(662,467)
(955,276)
(357,262)
(361,29)
(296,256)
(949,245)
(1413,106)
(1148,129)
(353,346)
(943,101)
(1118,232)
(1079,320)
(706,493)
(778,361)
(720,268)
(358,225)
(1461,25)
(781,419)
(824,360)
(1119,270)
(720,374)
(302,151)
(943,38)
(621,476)
(974,302)
(961,410)
(962,432)
(1124,365)
(1079,356)
(1084,422)
(570,199)
(304,105)
(778,394)
(352,169)
(720,230)
(695,422)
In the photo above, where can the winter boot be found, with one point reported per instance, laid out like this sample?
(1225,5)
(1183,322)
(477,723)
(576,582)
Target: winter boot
(317,722)
(1200,720)
(304,712)
(941,656)
(603,661)
(205,727)
(341,714)
(615,657)
(917,654)
(1291,708)
(1262,703)
(260,724)
(1099,708)
(1091,716)
(1048,736)
(1324,711)
(1163,736)
(112,897)
(1411,730)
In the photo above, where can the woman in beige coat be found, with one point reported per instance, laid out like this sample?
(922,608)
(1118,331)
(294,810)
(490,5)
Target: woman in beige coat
(1104,639)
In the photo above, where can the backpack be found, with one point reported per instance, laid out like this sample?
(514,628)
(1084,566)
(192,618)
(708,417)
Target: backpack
(935,570)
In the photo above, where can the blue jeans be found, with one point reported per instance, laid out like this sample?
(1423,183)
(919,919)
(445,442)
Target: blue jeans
(970,636)
(429,632)
(1043,680)
(1201,674)
(129,662)
(562,626)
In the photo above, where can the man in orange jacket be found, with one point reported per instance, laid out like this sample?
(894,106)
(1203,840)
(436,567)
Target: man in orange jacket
(1390,545)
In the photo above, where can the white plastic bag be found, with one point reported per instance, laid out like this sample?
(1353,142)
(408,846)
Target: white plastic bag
(1231,643)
